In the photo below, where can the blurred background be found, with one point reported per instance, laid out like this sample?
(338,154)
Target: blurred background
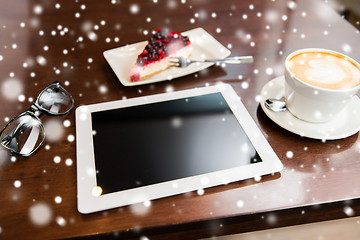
(348,9)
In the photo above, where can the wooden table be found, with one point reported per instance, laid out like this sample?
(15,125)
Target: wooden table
(64,40)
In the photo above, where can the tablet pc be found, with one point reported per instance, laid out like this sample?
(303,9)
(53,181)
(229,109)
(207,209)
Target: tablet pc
(140,149)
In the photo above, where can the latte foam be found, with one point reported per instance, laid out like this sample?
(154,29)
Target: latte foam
(325,70)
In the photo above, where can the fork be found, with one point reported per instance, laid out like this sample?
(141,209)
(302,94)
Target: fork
(184,61)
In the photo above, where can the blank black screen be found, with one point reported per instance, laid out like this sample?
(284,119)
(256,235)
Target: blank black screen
(147,144)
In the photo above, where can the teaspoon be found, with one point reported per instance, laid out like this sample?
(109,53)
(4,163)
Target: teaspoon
(276,105)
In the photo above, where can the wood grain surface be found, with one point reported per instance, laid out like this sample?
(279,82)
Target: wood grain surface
(46,41)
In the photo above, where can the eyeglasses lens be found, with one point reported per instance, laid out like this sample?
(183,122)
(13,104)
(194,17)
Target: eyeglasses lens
(55,100)
(23,135)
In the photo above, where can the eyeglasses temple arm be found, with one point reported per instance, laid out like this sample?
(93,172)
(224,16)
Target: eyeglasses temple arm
(31,141)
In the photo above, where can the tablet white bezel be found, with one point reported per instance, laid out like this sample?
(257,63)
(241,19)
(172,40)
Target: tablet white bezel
(86,174)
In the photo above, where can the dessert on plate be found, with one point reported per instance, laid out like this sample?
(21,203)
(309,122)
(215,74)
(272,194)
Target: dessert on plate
(156,55)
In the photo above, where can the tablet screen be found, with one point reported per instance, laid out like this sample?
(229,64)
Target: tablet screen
(152,143)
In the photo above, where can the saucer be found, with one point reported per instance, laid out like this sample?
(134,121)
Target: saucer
(344,125)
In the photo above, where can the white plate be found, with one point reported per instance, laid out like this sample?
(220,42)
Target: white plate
(344,125)
(203,46)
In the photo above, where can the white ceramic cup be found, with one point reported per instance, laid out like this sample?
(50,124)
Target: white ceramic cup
(313,103)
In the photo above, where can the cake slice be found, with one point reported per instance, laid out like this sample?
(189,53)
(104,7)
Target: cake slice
(156,55)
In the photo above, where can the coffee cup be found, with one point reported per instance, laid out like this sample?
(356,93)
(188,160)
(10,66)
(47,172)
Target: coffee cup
(319,83)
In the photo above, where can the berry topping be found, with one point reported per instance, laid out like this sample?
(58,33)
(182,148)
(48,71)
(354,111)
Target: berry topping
(161,44)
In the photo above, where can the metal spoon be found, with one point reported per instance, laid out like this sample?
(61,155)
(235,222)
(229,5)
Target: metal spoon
(276,105)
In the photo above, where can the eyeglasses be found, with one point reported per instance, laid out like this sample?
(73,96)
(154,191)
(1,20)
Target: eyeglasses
(25,133)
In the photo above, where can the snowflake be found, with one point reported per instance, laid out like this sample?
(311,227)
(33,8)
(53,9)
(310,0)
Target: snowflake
(349,211)
(240,203)
(54,130)
(289,154)
(269,71)
(71,138)
(40,214)
(68,162)
(57,159)
(58,199)
(38,9)
(61,221)
(134,9)
(12,88)
(17,183)
(140,209)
